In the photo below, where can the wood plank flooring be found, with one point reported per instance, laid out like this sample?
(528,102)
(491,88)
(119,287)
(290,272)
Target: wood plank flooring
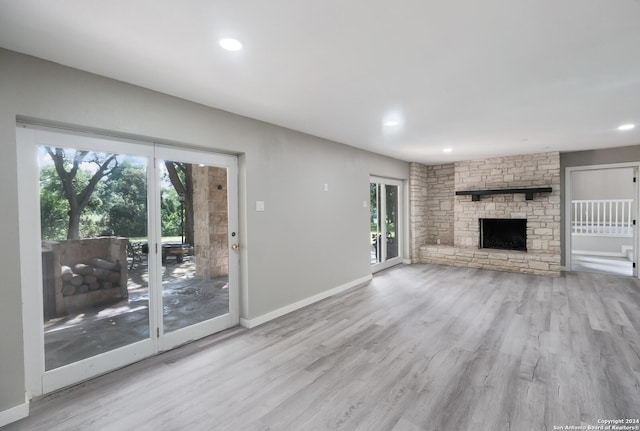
(421,347)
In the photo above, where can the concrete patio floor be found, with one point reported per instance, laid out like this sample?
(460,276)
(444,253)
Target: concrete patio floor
(187,299)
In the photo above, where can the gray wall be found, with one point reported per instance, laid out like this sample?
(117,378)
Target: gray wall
(589,158)
(306,242)
(603,184)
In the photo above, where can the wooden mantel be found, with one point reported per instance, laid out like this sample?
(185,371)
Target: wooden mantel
(528,192)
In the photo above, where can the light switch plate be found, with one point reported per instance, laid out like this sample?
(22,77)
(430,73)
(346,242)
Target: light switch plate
(259,205)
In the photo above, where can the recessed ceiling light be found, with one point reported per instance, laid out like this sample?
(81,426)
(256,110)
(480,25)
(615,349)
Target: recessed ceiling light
(391,123)
(447,150)
(230,44)
(626,127)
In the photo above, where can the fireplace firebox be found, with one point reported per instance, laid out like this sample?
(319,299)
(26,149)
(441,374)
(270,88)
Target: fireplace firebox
(503,234)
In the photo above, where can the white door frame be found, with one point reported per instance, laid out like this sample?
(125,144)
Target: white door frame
(401,222)
(193,332)
(29,138)
(568,210)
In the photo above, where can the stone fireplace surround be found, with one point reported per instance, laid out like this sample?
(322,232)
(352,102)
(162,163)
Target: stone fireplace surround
(445,227)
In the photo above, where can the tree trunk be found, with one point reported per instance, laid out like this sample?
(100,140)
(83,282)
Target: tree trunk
(74,224)
(184,189)
(78,202)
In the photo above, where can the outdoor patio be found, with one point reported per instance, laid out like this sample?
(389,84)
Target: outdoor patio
(187,299)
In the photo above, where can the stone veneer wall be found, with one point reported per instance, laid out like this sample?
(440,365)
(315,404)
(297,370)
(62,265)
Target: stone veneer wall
(210,221)
(219,221)
(542,213)
(440,204)
(418,209)
(431,191)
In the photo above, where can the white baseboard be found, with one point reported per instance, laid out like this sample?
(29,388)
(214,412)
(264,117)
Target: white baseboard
(627,251)
(14,414)
(252,323)
(407,261)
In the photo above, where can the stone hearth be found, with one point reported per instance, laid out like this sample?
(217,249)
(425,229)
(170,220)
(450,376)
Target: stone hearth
(445,228)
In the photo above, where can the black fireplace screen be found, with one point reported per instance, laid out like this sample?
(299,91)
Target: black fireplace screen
(504,234)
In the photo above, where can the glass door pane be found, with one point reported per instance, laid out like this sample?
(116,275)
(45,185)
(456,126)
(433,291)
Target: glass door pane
(375,222)
(391,220)
(93,216)
(385,215)
(194,245)
(131,258)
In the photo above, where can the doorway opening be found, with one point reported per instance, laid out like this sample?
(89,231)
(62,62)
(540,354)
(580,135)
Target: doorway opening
(602,207)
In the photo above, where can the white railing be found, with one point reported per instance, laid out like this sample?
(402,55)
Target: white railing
(611,217)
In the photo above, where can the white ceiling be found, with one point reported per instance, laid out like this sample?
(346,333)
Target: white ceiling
(485,78)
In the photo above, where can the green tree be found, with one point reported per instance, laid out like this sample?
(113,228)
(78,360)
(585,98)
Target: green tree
(373,206)
(181,177)
(125,190)
(391,210)
(76,189)
(54,208)
(170,212)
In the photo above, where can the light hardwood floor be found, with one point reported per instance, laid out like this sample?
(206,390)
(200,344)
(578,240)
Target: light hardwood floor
(422,347)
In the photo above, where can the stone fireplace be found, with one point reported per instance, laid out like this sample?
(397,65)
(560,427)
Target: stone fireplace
(446,227)
(503,233)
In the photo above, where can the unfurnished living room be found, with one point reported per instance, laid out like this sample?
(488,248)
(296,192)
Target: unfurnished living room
(293,215)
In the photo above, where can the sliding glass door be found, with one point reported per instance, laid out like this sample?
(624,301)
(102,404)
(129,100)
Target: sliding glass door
(137,251)
(93,206)
(385,218)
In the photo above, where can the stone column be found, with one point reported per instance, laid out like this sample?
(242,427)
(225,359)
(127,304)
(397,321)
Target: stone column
(211,222)
(218,222)
(202,247)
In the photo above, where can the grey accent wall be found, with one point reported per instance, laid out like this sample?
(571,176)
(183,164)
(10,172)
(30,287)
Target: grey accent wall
(306,242)
(589,158)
